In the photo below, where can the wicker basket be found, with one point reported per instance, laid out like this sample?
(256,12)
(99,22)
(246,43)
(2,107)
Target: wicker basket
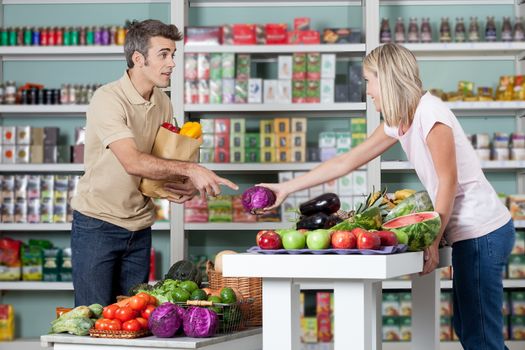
(118,334)
(250,287)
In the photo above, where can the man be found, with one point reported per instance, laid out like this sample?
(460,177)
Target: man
(111,231)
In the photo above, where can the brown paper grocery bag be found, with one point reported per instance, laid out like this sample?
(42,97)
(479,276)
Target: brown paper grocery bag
(169,145)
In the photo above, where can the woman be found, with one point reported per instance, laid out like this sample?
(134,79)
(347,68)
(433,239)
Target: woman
(474,221)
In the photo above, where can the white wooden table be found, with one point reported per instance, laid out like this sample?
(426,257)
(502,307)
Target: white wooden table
(245,340)
(356,281)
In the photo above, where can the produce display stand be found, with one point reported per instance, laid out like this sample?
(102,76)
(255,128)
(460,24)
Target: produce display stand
(250,339)
(356,281)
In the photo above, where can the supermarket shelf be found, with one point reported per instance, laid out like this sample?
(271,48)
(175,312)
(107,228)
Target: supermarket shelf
(270,107)
(43,168)
(63,227)
(59,110)
(23,285)
(268,49)
(407,284)
(273,3)
(519,224)
(490,165)
(259,167)
(46,2)
(490,107)
(236,226)
(447,2)
(70,53)
(474,49)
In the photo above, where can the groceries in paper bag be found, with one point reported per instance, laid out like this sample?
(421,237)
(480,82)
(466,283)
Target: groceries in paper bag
(173,143)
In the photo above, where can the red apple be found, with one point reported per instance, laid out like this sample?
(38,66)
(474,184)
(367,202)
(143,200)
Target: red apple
(270,240)
(259,235)
(368,240)
(388,238)
(343,240)
(357,232)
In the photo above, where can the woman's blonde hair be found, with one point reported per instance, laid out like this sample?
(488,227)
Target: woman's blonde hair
(399,84)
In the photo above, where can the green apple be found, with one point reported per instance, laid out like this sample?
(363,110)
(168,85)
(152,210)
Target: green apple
(402,237)
(318,239)
(293,239)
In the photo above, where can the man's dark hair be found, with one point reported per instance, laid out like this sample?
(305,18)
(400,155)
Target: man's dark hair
(139,33)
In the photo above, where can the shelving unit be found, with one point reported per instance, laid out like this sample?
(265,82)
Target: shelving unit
(159,226)
(255,49)
(292,107)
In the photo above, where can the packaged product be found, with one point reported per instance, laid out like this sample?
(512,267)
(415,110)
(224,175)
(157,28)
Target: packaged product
(276,33)
(7,322)
(516,204)
(243,64)
(313,65)
(284,67)
(255,90)
(66,267)
(32,262)
(216,91)
(270,91)
(445,328)
(241,90)
(228,91)
(216,66)
(341,35)
(10,262)
(299,66)
(284,91)
(51,267)
(391,331)
(228,65)
(390,304)
(210,35)
(244,34)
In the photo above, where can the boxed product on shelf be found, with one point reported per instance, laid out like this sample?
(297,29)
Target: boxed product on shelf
(284,91)
(313,91)
(10,260)
(270,87)
(215,91)
(327,90)
(252,155)
(228,65)
(203,91)
(309,330)
(255,89)
(391,331)
(341,93)
(405,304)
(446,304)
(445,328)
(203,35)
(324,327)
(328,65)
(267,154)
(516,205)
(517,300)
(313,66)
(405,328)
(390,304)
(283,154)
(298,125)
(237,155)
(341,35)
(282,140)
(203,66)
(244,34)
(51,265)
(7,322)
(284,67)
(327,153)
(241,91)
(517,327)
(237,140)
(288,207)
(345,185)
(216,66)
(8,135)
(516,266)
(347,203)
(32,261)
(519,243)
(298,91)
(191,92)
(299,66)
(276,33)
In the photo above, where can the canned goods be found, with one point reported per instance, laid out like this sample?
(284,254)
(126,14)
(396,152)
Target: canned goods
(64,94)
(36,37)
(74,36)
(104,36)
(112,35)
(66,37)
(12,36)
(19,36)
(121,35)
(44,36)
(10,93)
(4,37)
(28,36)
(72,94)
(98,35)
(90,35)
(82,36)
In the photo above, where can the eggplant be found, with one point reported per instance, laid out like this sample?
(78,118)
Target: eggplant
(333,220)
(312,222)
(327,203)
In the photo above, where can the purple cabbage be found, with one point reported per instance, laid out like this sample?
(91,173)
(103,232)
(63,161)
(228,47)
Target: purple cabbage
(200,322)
(165,320)
(257,197)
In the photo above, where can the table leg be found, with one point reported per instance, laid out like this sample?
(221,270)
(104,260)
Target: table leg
(425,311)
(281,313)
(355,315)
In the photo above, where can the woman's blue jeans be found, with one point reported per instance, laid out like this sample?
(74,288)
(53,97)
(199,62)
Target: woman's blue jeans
(107,259)
(478,288)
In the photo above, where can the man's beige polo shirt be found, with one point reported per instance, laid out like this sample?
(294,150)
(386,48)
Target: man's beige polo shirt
(106,191)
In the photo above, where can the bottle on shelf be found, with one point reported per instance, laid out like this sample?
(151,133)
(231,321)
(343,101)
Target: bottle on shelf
(506,29)
(385,35)
(399,33)
(473,31)
(413,31)
(519,31)
(10,93)
(426,30)
(444,31)
(490,29)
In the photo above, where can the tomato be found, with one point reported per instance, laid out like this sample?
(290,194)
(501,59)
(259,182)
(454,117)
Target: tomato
(102,324)
(132,326)
(138,303)
(125,313)
(153,300)
(149,309)
(114,325)
(143,322)
(109,311)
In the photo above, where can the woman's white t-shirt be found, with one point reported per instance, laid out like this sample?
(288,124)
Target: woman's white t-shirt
(477,209)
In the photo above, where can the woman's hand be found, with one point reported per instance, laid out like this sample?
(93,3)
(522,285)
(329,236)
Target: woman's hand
(279,191)
(431,256)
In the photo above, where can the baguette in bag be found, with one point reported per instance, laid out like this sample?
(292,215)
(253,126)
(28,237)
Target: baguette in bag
(173,146)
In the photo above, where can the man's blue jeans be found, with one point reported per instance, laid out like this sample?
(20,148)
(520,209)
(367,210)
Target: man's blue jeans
(107,259)
(478,288)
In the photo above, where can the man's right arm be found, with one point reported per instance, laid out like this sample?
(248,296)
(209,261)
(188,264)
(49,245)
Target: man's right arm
(145,165)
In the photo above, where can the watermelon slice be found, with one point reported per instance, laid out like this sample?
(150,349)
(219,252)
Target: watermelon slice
(418,230)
